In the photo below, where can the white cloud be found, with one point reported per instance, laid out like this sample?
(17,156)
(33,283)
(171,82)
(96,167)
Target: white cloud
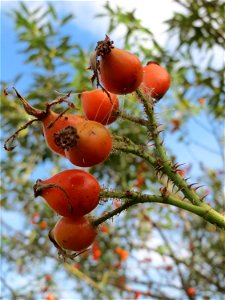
(8,5)
(152,15)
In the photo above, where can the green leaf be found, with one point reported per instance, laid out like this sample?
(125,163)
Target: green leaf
(35,11)
(33,58)
(67,19)
(100,15)
(24,7)
(52,11)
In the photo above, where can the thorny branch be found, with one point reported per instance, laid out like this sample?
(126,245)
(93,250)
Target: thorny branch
(162,165)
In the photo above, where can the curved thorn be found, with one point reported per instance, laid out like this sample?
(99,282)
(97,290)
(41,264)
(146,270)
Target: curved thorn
(192,184)
(198,187)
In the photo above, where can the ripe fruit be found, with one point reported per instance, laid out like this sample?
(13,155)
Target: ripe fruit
(139,182)
(104,228)
(70,193)
(86,145)
(50,297)
(96,252)
(51,122)
(119,71)
(156,80)
(123,254)
(137,294)
(191,291)
(48,277)
(43,225)
(97,106)
(74,234)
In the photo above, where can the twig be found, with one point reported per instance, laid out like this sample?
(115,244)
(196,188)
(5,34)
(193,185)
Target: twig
(133,198)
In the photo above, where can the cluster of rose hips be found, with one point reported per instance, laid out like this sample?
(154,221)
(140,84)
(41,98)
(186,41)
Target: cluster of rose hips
(86,142)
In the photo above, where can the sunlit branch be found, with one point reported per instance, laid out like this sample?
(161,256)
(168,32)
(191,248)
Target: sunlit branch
(132,198)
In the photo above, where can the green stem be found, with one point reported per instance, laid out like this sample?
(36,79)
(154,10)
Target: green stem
(212,216)
(133,198)
(166,164)
(133,119)
(197,205)
(124,144)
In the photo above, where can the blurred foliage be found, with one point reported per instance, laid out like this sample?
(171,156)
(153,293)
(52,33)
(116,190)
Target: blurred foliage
(168,249)
(199,28)
(202,25)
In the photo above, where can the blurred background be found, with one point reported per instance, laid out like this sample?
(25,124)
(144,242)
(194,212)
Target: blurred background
(150,251)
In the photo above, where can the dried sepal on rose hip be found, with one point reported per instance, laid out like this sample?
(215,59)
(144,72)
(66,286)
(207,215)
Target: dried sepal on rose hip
(86,144)
(98,106)
(117,71)
(70,193)
(51,122)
